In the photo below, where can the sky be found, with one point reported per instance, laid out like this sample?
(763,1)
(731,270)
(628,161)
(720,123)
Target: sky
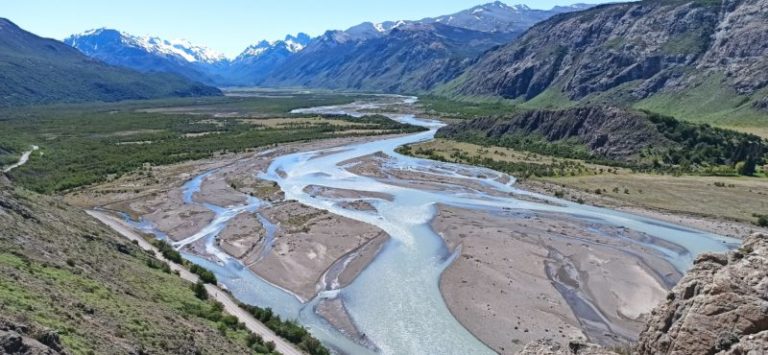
(227,26)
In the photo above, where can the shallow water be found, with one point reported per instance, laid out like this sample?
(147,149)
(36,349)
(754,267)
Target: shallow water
(396,301)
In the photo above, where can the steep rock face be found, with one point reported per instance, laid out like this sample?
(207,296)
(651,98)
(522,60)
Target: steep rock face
(606,131)
(740,44)
(719,307)
(640,48)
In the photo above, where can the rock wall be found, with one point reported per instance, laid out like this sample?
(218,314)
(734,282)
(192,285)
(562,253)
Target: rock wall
(719,307)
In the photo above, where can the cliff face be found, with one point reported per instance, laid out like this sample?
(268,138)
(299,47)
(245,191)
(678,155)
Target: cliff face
(719,307)
(636,49)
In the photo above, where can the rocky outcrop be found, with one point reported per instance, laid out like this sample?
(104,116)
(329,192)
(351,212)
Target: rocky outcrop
(719,307)
(606,132)
(613,135)
(23,340)
(630,50)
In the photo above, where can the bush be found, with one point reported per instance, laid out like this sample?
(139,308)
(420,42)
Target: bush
(200,291)
(168,251)
(762,221)
(288,330)
(270,346)
(205,275)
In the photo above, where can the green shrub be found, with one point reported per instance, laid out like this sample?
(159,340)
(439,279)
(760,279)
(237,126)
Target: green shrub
(168,251)
(206,276)
(762,221)
(200,291)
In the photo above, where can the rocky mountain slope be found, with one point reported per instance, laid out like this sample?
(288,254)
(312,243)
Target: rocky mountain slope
(407,56)
(68,283)
(611,134)
(719,307)
(36,70)
(683,57)
(410,58)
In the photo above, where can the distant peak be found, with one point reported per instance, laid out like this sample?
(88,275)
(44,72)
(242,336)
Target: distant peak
(180,48)
(291,43)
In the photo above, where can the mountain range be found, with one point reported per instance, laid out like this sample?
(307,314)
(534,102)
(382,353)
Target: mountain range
(699,60)
(389,56)
(35,70)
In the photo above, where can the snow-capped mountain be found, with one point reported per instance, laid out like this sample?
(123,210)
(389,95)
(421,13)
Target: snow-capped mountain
(96,40)
(491,17)
(259,60)
(291,44)
(500,17)
(148,54)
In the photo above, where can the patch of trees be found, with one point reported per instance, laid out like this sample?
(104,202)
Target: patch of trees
(703,145)
(288,329)
(87,146)
(206,276)
(168,251)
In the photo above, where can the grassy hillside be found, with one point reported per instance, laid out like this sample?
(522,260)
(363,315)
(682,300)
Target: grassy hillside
(36,70)
(63,271)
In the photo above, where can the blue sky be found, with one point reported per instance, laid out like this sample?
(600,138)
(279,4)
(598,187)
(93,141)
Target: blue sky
(227,26)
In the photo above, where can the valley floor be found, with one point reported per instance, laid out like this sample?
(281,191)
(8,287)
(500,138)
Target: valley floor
(720,204)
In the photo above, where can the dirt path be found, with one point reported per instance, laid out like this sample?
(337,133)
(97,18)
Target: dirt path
(230,306)
(23,160)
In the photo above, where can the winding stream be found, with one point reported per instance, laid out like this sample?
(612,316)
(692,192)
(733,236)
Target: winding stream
(396,301)
(22,160)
